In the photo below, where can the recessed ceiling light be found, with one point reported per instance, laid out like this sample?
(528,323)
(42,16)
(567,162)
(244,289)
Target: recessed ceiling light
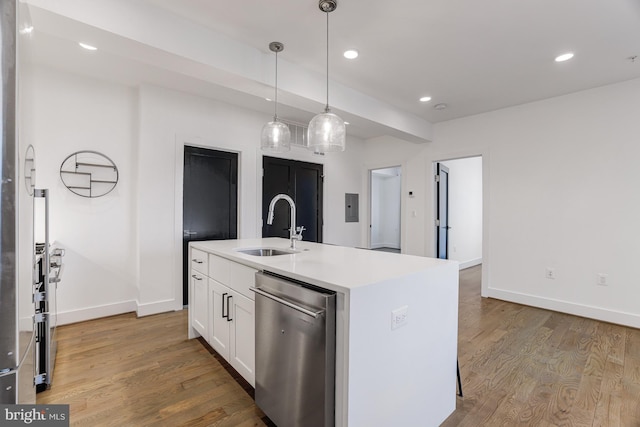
(564,57)
(440,106)
(347,123)
(87,46)
(350,54)
(27,30)
(268,99)
(425,99)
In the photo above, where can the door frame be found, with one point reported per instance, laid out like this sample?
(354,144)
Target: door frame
(430,235)
(180,143)
(370,203)
(296,155)
(365,230)
(439,201)
(320,225)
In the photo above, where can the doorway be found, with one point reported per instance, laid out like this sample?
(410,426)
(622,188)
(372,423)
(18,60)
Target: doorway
(458,210)
(385,209)
(210,200)
(442,211)
(303,182)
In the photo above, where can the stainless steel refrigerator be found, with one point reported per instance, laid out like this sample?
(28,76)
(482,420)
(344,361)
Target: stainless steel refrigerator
(17,249)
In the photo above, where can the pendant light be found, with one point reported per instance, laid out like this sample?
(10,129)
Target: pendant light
(276,136)
(326,130)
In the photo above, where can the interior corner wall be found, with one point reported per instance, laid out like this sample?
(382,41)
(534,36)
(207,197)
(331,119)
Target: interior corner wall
(559,190)
(62,113)
(384,152)
(562,195)
(120,253)
(167,120)
(465,210)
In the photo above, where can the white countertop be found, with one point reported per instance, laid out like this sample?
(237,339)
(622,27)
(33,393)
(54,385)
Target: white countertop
(333,267)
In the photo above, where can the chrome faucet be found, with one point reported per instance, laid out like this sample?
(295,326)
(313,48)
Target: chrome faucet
(294,233)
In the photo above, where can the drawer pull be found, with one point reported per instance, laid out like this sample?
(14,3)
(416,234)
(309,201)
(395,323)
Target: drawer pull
(196,277)
(224,316)
(197,261)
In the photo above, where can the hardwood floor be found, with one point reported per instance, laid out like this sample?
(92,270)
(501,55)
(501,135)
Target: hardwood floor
(520,366)
(531,367)
(124,371)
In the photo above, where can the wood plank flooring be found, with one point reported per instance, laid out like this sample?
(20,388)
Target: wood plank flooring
(520,366)
(125,371)
(523,366)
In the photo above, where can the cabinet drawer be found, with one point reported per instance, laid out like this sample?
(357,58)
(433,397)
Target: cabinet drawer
(220,269)
(199,261)
(242,277)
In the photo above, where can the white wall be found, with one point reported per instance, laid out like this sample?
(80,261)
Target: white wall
(387,152)
(123,249)
(64,113)
(560,191)
(465,210)
(168,120)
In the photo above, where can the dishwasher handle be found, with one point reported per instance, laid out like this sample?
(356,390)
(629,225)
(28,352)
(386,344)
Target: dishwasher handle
(314,314)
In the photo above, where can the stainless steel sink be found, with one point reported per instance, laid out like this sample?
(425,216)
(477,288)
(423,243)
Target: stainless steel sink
(266,251)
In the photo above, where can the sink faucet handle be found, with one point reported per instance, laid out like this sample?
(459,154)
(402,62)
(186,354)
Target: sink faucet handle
(298,234)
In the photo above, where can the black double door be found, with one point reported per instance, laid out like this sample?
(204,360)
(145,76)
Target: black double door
(210,200)
(302,181)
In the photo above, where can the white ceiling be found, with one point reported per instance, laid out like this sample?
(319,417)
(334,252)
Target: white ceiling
(475,56)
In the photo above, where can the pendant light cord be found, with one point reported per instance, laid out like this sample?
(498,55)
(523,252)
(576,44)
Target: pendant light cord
(326,108)
(275,107)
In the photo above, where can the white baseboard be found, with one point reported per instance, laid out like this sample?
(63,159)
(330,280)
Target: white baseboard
(384,245)
(157,307)
(591,312)
(96,312)
(74,316)
(470,263)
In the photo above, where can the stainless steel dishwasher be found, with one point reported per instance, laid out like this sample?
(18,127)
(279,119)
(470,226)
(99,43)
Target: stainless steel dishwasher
(295,352)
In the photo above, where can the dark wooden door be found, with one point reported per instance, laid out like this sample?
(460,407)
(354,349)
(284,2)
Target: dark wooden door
(442,220)
(210,200)
(302,181)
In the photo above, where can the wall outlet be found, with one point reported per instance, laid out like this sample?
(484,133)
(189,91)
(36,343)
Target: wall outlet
(602,279)
(550,273)
(399,317)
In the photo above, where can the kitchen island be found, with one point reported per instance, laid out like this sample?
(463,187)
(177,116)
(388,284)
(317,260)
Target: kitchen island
(404,375)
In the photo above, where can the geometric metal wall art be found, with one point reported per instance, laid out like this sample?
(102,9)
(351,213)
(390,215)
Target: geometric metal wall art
(89,173)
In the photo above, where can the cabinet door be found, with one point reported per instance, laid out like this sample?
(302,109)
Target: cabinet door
(199,303)
(242,340)
(220,323)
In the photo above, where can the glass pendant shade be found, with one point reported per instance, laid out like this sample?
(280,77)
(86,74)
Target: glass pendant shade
(275,137)
(326,133)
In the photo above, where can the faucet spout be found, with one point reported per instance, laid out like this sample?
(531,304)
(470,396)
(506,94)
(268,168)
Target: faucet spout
(293,232)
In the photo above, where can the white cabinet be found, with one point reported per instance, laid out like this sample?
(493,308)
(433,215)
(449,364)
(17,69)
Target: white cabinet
(198,294)
(242,343)
(219,326)
(221,309)
(199,304)
(232,328)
